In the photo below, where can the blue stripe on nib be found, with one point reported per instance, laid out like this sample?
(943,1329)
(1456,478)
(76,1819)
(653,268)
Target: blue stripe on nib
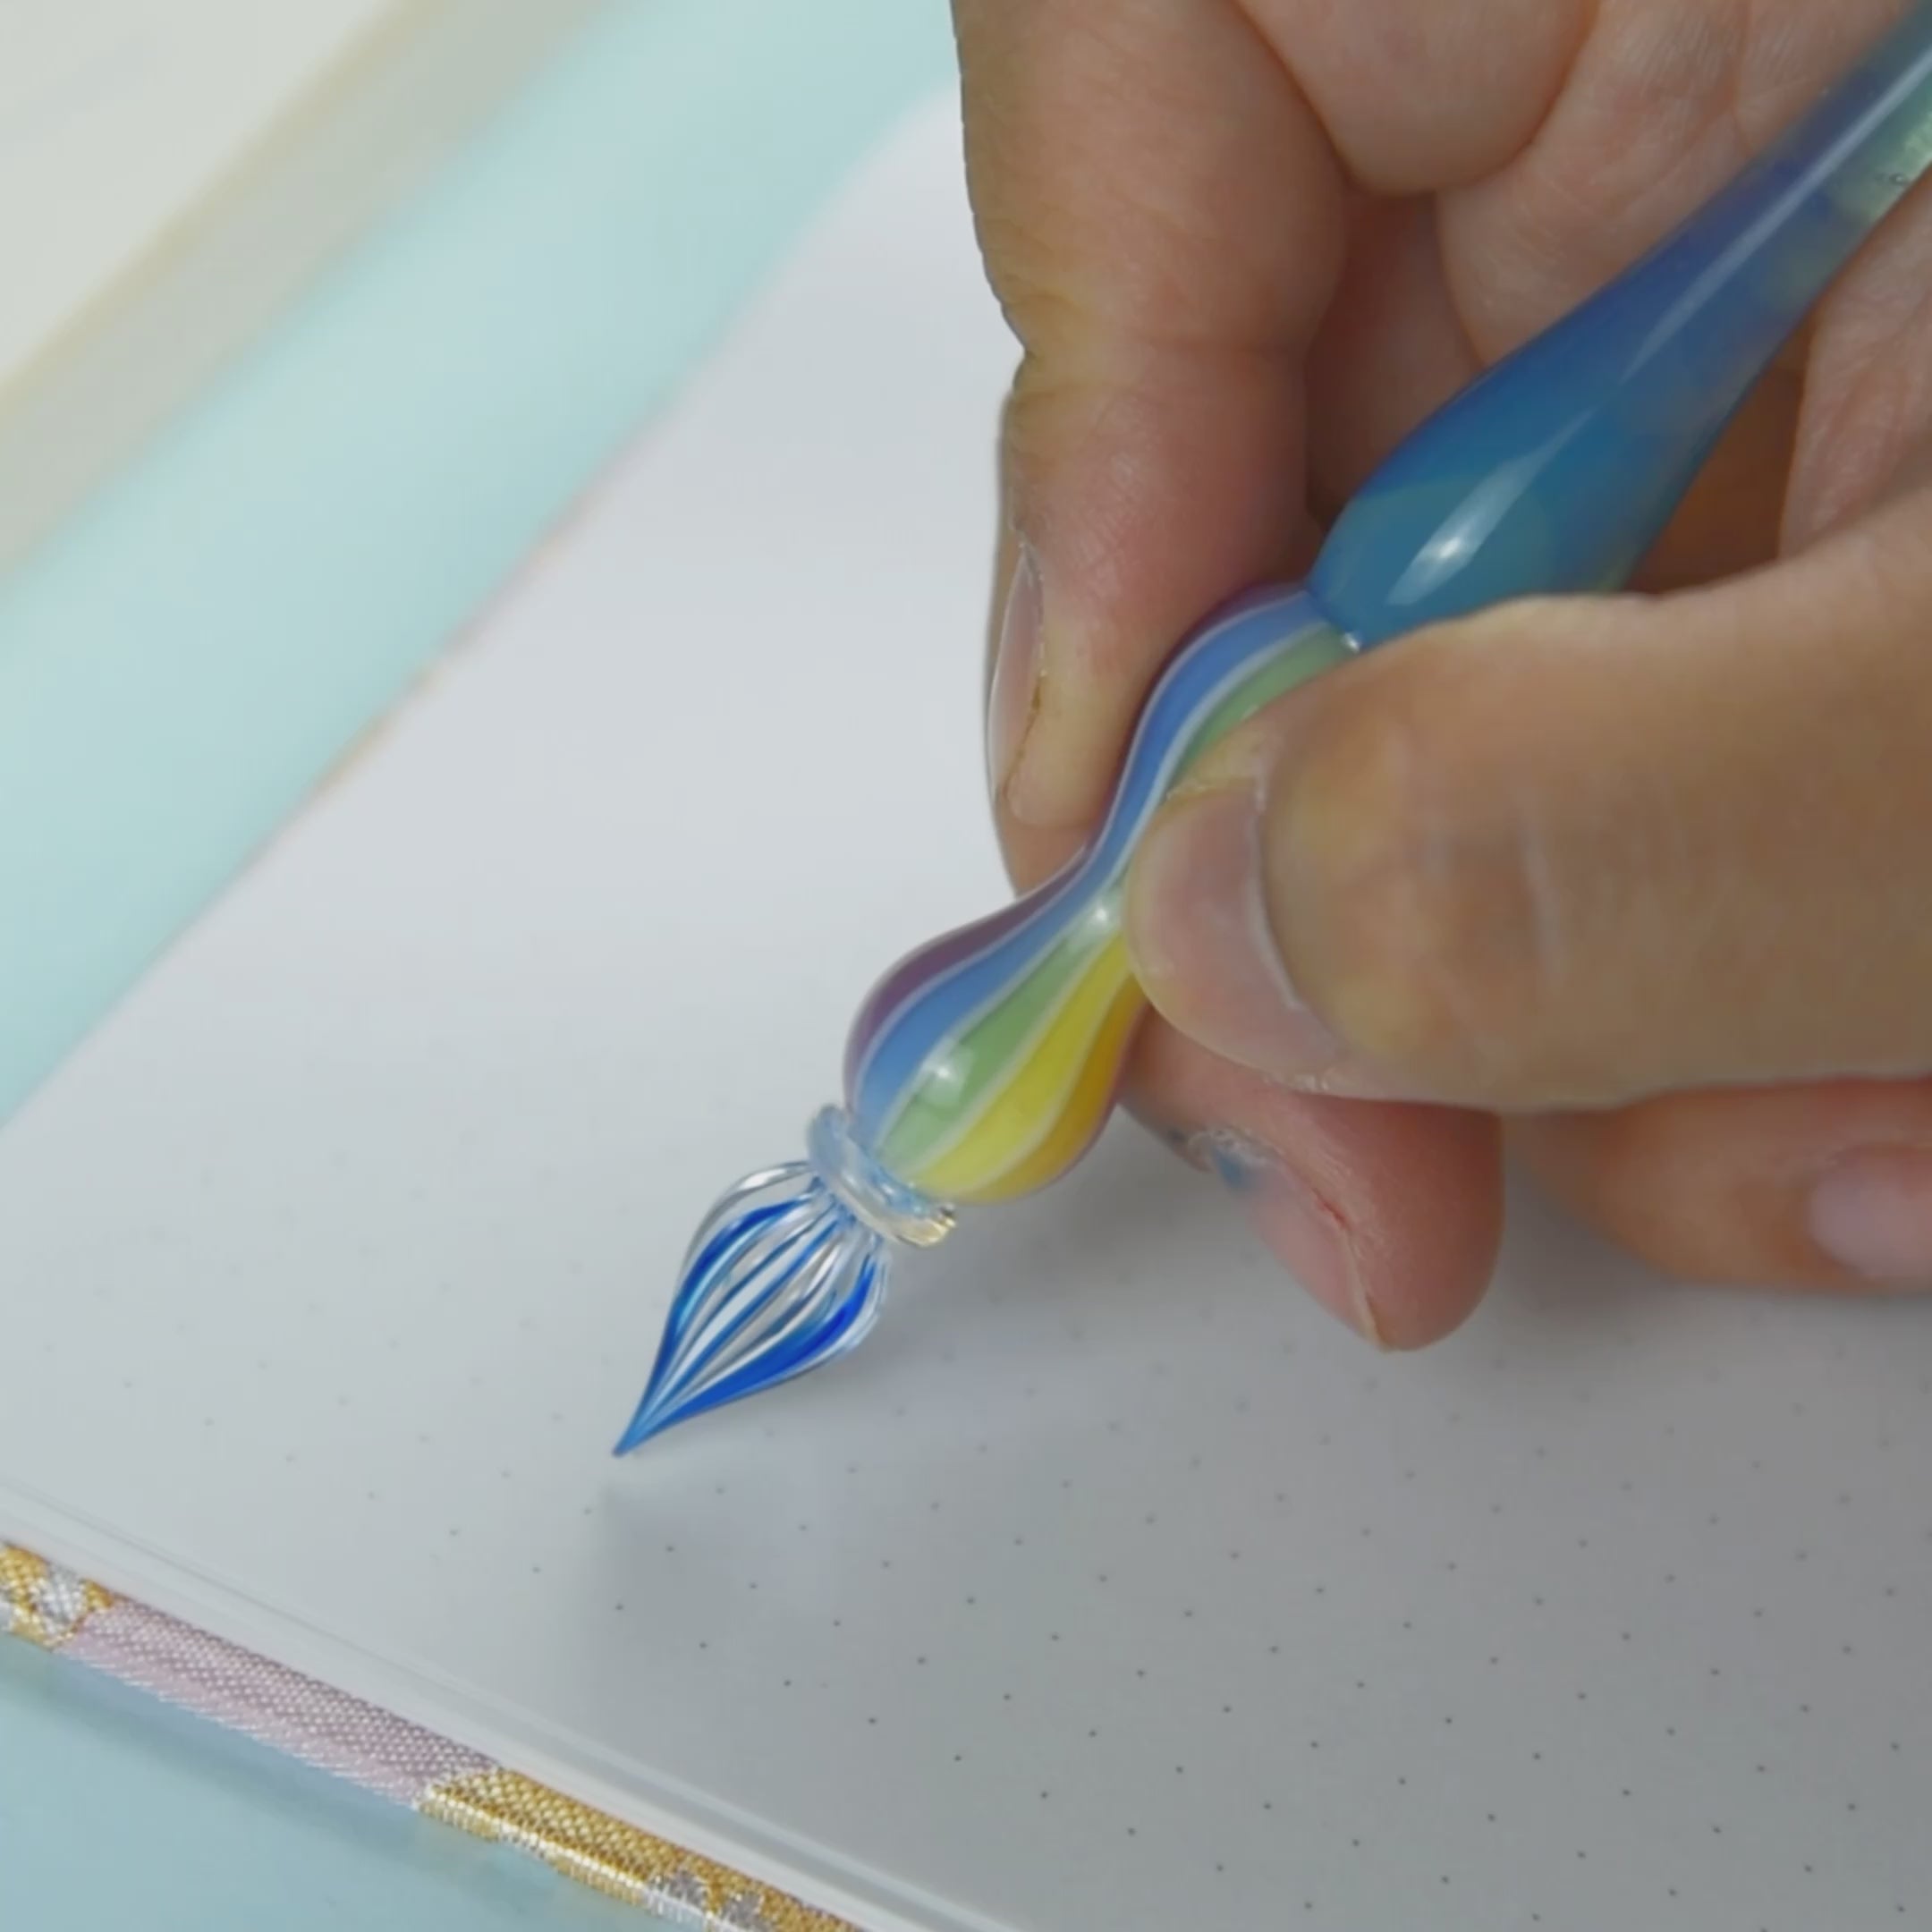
(781,1278)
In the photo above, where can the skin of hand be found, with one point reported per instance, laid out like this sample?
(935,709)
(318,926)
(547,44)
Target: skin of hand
(1641,884)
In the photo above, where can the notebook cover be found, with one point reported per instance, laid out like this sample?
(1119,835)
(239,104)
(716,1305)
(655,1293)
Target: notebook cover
(146,1649)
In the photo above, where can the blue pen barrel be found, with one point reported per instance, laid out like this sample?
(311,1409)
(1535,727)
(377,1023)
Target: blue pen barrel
(1557,472)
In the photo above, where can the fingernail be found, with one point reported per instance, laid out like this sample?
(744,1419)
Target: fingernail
(1014,696)
(1872,1214)
(1308,1237)
(1203,943)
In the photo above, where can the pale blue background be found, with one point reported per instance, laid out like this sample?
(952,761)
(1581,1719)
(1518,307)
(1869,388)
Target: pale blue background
(180,666)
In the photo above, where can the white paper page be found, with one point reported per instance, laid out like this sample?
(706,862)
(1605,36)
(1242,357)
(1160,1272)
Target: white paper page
(1111,1584)
(119,117)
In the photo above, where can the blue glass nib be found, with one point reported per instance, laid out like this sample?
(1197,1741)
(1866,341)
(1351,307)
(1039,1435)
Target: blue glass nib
(787,1274)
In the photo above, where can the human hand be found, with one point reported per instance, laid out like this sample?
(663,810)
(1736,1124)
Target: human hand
(1650,878)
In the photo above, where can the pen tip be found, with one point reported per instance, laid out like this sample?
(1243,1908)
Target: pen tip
(647,1422)
(782,1277)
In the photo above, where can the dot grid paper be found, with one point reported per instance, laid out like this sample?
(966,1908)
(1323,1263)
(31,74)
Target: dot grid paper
(1112,1584)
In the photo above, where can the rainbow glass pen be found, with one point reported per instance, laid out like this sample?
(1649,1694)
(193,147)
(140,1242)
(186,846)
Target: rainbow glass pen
(984,1066)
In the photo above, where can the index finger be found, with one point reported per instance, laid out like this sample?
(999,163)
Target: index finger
(1162,218)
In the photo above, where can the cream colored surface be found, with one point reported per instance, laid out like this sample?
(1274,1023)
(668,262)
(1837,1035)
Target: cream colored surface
(119,117)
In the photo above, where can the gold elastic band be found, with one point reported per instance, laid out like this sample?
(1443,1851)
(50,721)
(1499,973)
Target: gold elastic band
(617,1858)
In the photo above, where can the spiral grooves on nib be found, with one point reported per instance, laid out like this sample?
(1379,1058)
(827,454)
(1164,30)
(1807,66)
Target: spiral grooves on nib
(787,1274)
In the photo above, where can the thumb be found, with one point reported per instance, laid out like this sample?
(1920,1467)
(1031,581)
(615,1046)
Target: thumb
(1569,854)
(1162,219)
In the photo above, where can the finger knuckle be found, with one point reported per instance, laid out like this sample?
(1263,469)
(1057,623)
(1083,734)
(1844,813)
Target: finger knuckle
(1421,921)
